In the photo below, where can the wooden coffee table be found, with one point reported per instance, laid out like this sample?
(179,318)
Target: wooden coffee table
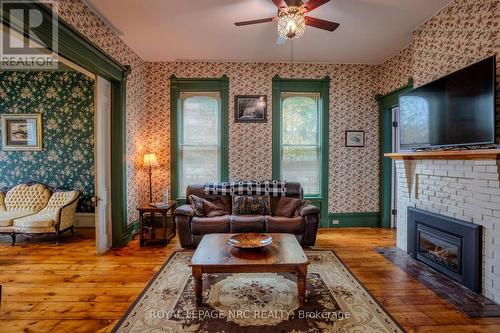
(215,255)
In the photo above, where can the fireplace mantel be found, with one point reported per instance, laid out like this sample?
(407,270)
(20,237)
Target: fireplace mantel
(477,154)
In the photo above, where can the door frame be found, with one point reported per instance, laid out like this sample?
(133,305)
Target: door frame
(386,104)
(75,47)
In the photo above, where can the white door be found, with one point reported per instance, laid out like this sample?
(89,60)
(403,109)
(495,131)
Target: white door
(103,165)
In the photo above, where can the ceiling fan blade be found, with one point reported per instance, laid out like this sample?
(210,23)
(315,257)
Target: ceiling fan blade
(279,3)
(313,4)
(294,3)
(280,40)
(265,20)
(321,24)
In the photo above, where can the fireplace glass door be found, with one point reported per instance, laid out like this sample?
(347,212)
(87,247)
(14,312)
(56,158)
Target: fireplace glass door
(439,248)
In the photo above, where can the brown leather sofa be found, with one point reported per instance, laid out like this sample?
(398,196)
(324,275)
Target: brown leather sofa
(190,229)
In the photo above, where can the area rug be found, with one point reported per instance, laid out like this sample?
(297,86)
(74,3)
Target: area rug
(263,302)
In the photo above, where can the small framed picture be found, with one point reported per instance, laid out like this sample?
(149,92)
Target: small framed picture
(21,132)
(354,138)
(250,108)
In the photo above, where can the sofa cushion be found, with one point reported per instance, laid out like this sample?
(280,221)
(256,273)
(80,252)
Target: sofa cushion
(251,205)
(7,218)
(210,225)
(279,224)
(248,223)
(285,207)
(39,220)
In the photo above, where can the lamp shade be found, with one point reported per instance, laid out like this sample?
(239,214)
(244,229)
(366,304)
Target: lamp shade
(150,161)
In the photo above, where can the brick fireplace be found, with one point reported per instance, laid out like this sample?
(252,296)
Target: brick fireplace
(465,190)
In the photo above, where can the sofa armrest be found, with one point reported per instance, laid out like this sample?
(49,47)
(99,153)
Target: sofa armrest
(185,210)
(182,219)
(66,215)
(309,210)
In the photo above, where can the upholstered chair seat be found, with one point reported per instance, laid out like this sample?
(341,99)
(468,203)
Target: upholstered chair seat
(7,218)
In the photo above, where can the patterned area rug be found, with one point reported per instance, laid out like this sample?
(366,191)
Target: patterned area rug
(264,302)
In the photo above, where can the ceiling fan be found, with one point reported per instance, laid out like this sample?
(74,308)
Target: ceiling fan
(292,19)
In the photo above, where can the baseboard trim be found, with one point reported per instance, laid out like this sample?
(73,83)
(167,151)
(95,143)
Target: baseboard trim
(346,220)
(85,220)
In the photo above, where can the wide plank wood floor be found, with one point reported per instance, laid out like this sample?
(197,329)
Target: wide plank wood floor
(66,288)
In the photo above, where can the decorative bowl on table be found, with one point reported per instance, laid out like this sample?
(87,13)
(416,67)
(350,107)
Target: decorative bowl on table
(250,240)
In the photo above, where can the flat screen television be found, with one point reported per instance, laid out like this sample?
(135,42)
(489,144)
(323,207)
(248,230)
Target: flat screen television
(456,110)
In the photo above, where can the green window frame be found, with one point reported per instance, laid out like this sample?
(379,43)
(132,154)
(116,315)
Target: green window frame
(187,85)
(311,86)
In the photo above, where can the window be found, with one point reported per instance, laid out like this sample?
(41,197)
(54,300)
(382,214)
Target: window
(300,140)
(199,129)
(300,137)
(199,142)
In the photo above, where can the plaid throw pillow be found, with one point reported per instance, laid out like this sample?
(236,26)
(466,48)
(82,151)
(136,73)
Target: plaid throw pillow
(251,205)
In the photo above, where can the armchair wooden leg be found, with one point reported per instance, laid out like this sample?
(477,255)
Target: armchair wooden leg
(72,231)
(13,236)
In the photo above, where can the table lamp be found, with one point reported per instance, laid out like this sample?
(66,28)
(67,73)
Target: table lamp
(150,162)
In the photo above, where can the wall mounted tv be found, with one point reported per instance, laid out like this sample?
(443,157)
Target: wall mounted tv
(456,110)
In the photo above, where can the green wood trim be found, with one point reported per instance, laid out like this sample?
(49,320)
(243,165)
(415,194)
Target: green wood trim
(132,229)
(370,219)
(72,44)
(197,85)
(386,104)
(321,86)
(75,47)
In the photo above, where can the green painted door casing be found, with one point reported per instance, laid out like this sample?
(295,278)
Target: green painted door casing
(386,104)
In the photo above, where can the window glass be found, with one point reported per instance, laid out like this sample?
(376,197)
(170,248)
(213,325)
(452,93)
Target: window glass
(199,144)
(300,140)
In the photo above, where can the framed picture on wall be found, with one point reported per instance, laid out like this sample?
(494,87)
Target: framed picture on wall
(250,108)
(354,138)
(21,132)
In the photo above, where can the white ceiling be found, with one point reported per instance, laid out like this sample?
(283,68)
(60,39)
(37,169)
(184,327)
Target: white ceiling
(166,30)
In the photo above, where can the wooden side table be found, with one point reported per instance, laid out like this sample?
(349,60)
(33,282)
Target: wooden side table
(162,234)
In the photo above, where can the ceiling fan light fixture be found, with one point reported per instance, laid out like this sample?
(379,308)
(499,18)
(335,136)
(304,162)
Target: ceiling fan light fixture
(291,23)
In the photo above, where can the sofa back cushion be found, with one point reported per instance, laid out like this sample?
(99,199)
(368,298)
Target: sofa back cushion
(61,199)
(251,205)
(293,190)
(28,198)
(2,199)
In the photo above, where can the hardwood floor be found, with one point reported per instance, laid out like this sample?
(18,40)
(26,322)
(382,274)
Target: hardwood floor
(66,288)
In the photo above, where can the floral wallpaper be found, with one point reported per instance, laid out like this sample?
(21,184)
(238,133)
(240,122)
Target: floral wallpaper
(461,33)
(353,180)
(77,14)
(66,102)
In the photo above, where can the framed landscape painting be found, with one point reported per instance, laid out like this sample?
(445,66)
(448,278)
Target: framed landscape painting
(354,138)
(21,132)
(250,108)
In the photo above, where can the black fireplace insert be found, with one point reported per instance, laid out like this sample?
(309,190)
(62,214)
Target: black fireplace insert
(450,246)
